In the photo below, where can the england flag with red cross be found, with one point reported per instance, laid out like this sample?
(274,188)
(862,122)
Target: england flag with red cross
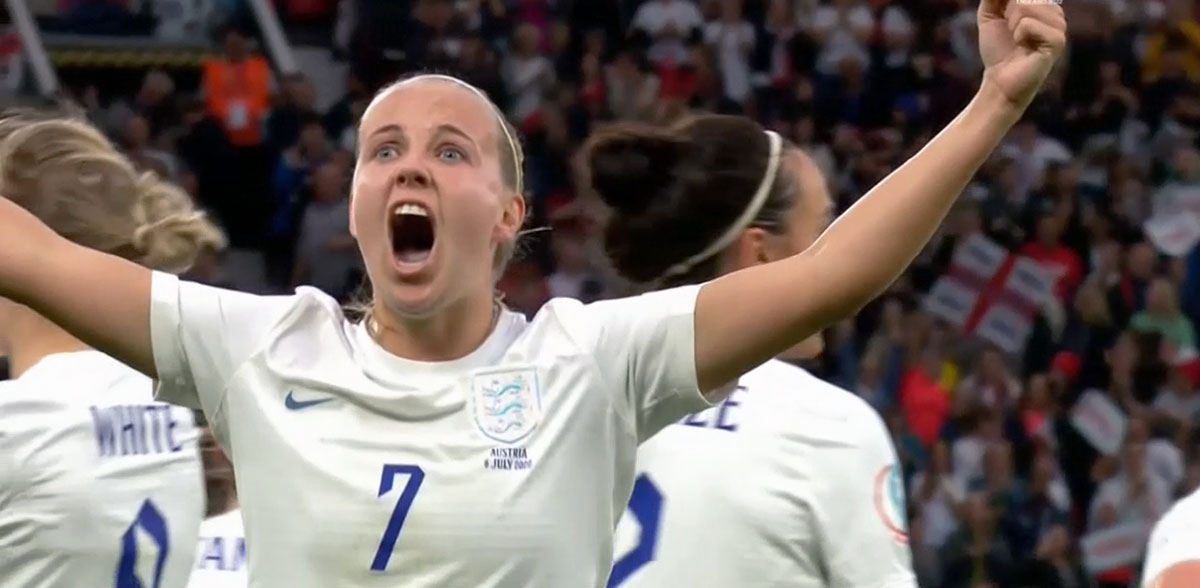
(991,293)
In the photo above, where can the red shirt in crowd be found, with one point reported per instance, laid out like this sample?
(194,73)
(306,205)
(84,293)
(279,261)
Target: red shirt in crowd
(925,403)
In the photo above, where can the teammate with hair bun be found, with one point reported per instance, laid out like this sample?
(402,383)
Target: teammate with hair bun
(99,485)
(444,440)
(789,476)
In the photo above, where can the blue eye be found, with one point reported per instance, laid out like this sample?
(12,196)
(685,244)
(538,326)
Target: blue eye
(451,154)
(385,152)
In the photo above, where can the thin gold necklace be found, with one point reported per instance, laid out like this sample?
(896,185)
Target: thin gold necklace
(374,330)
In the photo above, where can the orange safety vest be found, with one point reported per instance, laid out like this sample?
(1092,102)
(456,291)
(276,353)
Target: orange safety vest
(239,96)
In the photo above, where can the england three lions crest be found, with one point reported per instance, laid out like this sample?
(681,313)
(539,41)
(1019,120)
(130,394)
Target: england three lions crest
(506,404)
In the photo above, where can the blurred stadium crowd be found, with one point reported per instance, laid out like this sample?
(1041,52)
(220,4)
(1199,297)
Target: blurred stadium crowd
(1040,435)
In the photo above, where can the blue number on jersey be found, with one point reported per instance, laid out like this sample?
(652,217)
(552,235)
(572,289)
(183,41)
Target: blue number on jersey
(415,476)
(646,504)
(151,522)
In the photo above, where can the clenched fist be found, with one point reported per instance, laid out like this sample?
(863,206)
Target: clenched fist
(1019,41)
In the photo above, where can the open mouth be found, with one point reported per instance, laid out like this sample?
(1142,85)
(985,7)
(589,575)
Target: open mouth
(412,233)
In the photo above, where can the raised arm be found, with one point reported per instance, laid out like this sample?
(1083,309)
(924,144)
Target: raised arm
(747,317)
(101,299)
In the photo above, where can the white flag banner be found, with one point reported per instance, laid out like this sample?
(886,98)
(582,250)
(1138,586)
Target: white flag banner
(980,256)
(1099,421)
(1113,547)
(1174,234)
(1030,281)
(1004,326)
(951,301)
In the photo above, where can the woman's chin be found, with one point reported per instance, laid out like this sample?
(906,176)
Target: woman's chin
(413,301)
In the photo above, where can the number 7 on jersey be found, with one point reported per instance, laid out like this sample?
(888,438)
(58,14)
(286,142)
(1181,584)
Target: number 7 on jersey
(386,482)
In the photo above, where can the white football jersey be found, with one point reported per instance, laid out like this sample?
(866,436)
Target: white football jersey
(356,468)
(99,485)
(221,557)
(1175,538)
(790,482)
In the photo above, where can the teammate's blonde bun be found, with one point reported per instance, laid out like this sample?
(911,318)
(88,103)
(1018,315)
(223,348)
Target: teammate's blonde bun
(69,175)
(170,233)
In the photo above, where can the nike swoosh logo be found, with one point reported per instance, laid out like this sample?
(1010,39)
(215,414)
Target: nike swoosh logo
(292,404)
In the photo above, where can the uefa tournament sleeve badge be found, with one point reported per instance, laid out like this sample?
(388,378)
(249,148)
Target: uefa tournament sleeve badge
(890,503)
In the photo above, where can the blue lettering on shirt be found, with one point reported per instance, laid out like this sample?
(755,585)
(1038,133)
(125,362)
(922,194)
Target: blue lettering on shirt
(136,429)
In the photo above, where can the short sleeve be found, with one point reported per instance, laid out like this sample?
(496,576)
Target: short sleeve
(863,516)
(201,335)
(646,347)
(1172,541)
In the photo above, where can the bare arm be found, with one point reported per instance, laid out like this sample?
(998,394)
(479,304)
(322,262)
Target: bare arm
(750,316)
(852,262)
(101,299)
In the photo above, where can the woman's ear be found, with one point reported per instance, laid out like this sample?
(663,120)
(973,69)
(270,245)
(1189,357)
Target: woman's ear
(512,218)
(751,249)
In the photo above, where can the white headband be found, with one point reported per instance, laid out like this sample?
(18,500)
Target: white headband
(748,215)
(512,141)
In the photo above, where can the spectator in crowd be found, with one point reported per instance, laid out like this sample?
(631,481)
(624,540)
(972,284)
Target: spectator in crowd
(296,104)
(528,74)
(1174,28)
(1163,316)
(977,555)
(668,25)
(925,400)
(938,495)
(237,90)
(1177,406)
(327,256)
(144,156)
(292,179)
(1054,563)
(237,96)
(989,385)
(632,88)
(1133,493)
(732,38)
